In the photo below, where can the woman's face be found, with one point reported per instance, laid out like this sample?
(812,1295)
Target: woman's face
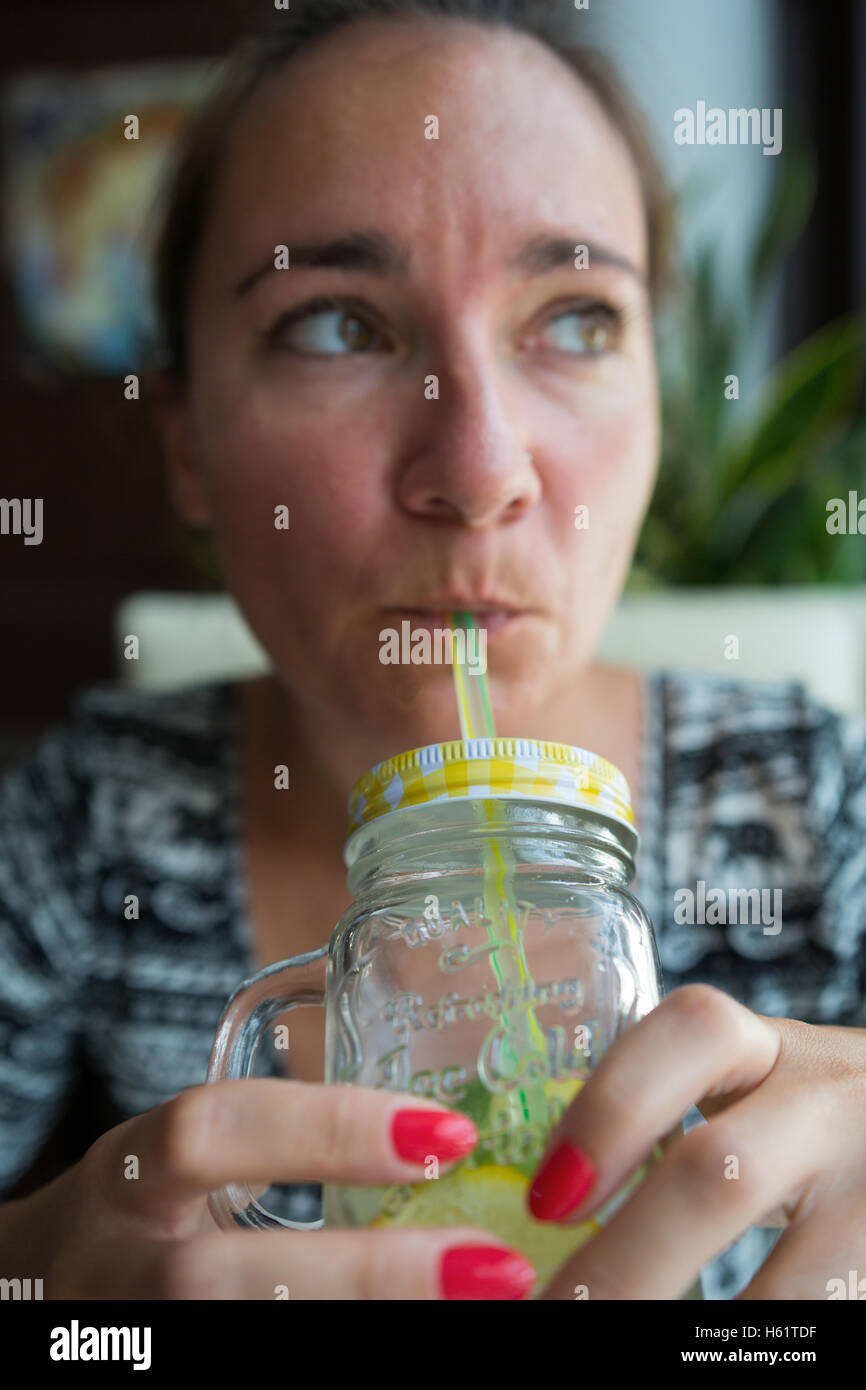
(432,427)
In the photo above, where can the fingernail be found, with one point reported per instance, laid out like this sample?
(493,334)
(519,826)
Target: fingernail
(416,1134)
(485,1271)
(561,1184)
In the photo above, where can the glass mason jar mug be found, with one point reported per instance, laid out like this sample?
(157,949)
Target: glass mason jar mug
(492,954)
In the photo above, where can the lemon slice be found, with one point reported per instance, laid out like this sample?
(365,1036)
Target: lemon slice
(564,1091)
(560,1093)
(494,1198)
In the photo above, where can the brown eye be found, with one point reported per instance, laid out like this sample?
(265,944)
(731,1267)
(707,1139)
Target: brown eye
(324,329)
(355,333)
(595,336)
(585,330)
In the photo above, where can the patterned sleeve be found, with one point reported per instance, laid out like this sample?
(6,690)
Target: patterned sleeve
(836,814)
(44,943)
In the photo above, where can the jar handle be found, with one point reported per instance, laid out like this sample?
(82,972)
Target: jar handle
(289,984)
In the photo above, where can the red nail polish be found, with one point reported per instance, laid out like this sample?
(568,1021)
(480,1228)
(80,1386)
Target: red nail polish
(416,1134)
(561,1184)
(485,1271)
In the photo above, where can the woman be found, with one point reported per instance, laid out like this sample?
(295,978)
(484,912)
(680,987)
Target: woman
(430,388)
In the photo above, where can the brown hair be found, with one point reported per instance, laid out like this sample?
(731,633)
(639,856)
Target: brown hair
(185,198)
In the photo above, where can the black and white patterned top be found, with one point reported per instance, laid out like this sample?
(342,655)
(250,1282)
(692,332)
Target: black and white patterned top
(137,793)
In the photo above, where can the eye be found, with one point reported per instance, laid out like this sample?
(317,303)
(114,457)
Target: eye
(586,329)
(323,328)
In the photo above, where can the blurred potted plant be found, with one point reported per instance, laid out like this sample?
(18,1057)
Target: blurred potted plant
(742,495)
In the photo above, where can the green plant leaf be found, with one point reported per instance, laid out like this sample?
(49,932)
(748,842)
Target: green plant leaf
(812,393)
(789,211)
(741,498)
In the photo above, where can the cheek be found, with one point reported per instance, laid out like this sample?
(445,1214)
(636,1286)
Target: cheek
(258,459)
(300,589)
(608,463)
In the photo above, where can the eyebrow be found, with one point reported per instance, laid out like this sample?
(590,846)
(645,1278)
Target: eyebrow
(375,254)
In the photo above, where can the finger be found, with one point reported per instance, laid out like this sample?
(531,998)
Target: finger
(266,1131)
(698,1041)
(713,1184)
(462,1262)
(822,1254)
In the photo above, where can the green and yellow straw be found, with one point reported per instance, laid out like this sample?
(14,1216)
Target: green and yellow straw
(521,1027)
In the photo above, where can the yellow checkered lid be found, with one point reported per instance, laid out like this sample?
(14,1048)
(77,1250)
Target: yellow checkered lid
(493,768)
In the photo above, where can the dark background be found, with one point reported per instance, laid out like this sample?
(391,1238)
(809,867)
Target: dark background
(78,444)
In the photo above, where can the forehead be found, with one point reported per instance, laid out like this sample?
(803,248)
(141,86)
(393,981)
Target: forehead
(337,138)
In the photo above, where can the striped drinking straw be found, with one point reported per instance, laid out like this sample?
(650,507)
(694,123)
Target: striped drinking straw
(521,1028)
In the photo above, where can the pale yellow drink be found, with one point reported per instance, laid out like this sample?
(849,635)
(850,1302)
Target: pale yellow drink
(490,1195)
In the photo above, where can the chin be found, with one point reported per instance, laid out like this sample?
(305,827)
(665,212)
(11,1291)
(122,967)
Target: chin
(420,714)
(412,718)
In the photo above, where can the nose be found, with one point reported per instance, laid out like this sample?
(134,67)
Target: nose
(471,465)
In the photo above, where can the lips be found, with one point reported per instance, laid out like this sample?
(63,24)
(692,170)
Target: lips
(463,603)
(493,619)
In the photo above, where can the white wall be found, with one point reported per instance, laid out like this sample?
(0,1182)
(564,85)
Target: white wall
(673,53)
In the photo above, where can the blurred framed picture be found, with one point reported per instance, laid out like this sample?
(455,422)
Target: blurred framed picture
(83,157)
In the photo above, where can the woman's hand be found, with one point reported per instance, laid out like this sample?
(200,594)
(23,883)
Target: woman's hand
(785,1146)
(104,1234)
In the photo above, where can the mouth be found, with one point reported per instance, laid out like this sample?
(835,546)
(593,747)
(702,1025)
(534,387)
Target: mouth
(496,620)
